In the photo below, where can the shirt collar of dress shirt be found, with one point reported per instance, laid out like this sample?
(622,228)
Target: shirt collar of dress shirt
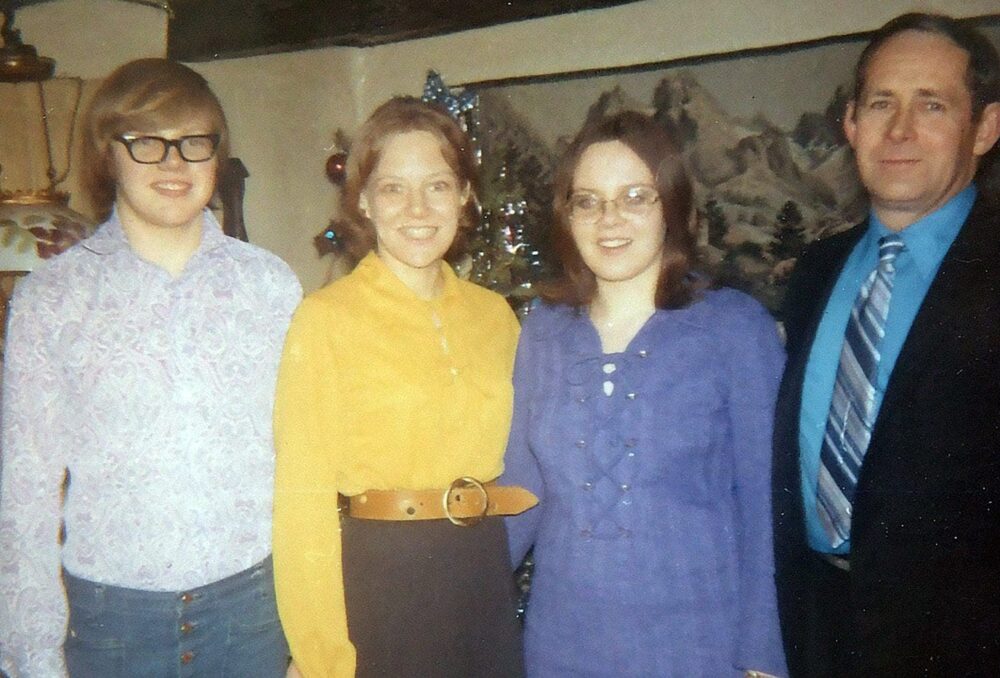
(928,238)
(382,277)
(110,237)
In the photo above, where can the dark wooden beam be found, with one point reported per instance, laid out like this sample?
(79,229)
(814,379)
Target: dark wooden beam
(202,30)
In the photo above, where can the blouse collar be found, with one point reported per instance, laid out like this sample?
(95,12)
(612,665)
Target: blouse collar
(378,274)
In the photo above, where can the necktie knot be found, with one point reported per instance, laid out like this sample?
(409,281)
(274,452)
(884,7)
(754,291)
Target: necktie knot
(889,247)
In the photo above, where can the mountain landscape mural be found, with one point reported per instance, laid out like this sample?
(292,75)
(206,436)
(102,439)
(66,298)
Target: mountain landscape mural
(761,192)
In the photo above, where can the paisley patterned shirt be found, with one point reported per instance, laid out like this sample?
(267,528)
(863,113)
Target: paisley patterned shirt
(153,395)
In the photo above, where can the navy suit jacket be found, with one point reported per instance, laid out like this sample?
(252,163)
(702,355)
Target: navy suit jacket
(924,591)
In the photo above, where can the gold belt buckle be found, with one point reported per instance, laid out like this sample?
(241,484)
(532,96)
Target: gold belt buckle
(464,483)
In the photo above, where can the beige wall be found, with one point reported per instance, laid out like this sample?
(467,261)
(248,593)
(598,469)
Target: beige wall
(283,111)
(637,33)
(284,108)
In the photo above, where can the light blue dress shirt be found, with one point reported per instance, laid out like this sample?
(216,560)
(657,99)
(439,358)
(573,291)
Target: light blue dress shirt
(927,240)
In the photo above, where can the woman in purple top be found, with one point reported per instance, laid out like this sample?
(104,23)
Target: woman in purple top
(642,419)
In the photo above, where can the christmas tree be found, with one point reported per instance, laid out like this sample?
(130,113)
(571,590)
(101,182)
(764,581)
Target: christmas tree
(503,251)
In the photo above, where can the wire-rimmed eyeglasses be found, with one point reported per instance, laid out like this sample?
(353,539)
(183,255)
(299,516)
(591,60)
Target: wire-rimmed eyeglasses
(636,201)
(150,150)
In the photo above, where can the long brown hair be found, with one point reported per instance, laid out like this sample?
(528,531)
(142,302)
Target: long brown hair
(397,116)
(577,285)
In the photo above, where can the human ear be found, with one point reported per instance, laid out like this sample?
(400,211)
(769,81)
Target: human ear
(850,123)
(987,129)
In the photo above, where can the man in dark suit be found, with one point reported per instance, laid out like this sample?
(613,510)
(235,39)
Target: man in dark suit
(887,440)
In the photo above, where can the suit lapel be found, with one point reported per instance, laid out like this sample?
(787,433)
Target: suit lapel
(947,305)
(831,256)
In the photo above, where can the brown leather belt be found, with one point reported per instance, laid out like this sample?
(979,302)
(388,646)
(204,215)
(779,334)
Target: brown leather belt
(465,502)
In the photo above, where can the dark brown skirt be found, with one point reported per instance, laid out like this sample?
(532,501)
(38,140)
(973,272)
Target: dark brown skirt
(429,599)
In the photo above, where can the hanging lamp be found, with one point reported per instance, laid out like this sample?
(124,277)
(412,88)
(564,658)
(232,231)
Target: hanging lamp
(36,224)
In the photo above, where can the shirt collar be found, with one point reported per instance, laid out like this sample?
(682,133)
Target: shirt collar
(928,239)
(110,237)
(373,268)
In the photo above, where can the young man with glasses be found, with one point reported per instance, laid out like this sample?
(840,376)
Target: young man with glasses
(141,366)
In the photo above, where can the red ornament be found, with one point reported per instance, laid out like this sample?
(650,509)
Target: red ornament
(336,166)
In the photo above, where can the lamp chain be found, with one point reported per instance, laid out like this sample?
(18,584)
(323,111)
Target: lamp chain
(51,172)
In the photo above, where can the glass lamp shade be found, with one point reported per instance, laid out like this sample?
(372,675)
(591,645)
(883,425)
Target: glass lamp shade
(37,225)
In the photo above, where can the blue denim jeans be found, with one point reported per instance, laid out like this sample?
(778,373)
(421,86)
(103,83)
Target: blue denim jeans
(227,629)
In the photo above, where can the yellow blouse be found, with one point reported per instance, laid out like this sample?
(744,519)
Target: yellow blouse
(378,389)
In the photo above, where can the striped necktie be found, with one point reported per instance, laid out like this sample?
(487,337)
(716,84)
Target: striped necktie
(849,424)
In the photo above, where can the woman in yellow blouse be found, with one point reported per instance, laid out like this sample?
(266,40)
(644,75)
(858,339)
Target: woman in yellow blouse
(395,394)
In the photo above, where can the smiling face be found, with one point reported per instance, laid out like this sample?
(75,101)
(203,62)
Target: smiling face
(912,130)
(167,195)
(617,246)
(414,200)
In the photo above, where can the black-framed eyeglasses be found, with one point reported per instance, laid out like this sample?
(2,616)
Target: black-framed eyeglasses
(150,150)
(636,201)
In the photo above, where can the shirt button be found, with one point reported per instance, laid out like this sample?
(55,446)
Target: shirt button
(187,627)
(630,454)
(630,395)
(643,353)
(588,486)
(581,399)
(585,534)
(186,597)
(187,657)
(625,487)
(581,443)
